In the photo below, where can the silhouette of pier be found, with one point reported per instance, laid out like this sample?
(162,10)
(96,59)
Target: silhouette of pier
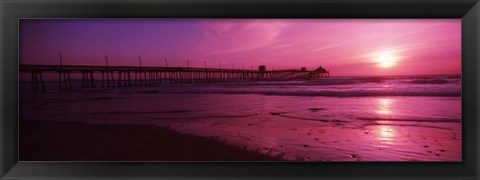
(130,76)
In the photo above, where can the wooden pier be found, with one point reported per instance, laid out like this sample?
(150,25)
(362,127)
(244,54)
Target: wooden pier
(129,76)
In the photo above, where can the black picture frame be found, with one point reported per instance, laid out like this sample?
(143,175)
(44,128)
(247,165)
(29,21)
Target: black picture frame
(11,11)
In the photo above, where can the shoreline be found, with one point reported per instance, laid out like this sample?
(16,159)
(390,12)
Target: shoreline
(77,141)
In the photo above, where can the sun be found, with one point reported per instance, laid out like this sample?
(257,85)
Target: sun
(385,59)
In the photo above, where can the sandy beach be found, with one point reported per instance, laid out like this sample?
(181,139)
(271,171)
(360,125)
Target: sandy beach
(77,141)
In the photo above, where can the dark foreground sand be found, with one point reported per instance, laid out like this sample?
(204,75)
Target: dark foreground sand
(77,141)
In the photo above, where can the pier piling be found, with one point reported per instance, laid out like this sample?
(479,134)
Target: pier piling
(150,76)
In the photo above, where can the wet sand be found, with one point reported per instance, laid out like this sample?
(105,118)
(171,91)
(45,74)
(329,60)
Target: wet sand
(77,141)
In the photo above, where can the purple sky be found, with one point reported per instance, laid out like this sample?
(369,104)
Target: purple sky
(345,47)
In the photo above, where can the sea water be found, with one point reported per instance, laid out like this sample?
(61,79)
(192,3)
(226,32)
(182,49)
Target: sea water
(376,118)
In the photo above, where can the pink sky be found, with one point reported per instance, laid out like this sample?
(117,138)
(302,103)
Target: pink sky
(344,47)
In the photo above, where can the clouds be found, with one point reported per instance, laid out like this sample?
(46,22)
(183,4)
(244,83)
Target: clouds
(235,36)
(328,46)
(340,45)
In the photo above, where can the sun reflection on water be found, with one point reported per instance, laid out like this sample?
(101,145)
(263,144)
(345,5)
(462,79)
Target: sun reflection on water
(386,134)
(384,106)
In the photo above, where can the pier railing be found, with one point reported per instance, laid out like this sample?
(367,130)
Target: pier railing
(129,76)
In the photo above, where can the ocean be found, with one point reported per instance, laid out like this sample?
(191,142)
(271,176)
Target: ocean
(374,118)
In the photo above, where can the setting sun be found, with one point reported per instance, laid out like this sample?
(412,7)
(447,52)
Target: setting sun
(385,59)
(244,89)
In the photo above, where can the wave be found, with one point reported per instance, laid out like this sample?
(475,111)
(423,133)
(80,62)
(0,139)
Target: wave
(412,120)
(317,82)
(351,81)
(408,125)
(429,81)
(374,79)
(199,117)
(282,114)
(147,112)
(337,93)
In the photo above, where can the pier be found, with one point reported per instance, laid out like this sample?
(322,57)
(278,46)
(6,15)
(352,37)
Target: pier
(130,76)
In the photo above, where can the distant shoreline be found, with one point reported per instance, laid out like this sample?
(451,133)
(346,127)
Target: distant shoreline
(76,141)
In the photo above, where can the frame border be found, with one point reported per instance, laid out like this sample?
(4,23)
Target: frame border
(12,10)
